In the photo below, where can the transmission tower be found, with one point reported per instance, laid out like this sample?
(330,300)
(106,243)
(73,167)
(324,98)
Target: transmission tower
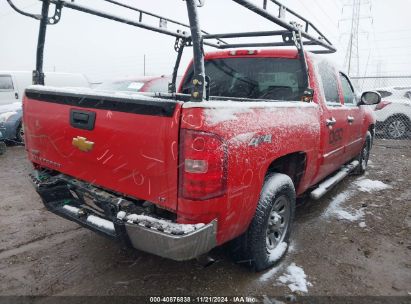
(352,55)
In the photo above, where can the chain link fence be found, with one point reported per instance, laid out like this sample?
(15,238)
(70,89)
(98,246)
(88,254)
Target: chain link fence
(394,112)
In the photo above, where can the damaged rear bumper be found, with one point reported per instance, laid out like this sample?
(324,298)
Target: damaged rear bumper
(63,196)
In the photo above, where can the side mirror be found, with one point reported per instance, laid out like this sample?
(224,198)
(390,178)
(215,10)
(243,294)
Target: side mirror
(370,98)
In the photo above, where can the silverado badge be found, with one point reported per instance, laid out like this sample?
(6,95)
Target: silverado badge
(82,144)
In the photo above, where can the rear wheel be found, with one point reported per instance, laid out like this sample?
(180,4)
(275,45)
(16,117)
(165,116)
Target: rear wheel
(364,156)
(265,241)
(396,127)
(20,134)
(2,148)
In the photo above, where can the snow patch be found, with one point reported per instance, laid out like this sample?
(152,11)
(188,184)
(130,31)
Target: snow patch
(270,273)
(93,92)
(71,209)
(335,206)
(215,116)
(164,225)
(274,183)
(225,104)
(121,215)
(368,185)
(349,216)
(295,278)
(99,222)
(278,252)
(362,224)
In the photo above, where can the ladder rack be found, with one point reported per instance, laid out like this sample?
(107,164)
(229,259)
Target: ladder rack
(298,33)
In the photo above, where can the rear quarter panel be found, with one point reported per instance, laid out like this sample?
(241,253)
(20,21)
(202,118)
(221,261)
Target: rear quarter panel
(293,127)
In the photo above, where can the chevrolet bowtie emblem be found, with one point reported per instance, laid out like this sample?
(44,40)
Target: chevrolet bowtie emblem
(82,144)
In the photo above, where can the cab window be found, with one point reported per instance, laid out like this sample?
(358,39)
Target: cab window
(254,78)
(329,83)
(6,84)
(348,92)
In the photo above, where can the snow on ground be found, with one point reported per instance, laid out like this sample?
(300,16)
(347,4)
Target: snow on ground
(362,224)
(270,273)
(295,278)
(276,255)
(336,207)
(368,185)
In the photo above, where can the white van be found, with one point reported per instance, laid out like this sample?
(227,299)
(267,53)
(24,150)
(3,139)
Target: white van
(13,83)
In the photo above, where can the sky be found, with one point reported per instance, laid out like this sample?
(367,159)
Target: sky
(103,49)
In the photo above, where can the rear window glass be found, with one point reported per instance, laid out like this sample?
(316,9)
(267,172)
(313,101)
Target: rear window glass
(256,78)
(159,85)
(124,85)
(6,84)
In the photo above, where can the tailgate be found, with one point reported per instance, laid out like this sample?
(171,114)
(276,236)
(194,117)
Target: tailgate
(125,143)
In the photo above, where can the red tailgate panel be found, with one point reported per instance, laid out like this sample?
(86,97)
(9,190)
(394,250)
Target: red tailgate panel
(133,154)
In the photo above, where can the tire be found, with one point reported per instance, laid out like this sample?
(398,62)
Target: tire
(264,243)
(396,127)
(20,134)
(364,156)
(2,148)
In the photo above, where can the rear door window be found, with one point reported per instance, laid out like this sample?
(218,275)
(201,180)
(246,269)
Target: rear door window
(329,83)
(254,78)
(6,83)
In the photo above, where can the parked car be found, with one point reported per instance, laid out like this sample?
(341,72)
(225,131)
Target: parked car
(13,83)
(12,86)
(10,122)
(176,177)
(138,84)
(394,112)
(2,144)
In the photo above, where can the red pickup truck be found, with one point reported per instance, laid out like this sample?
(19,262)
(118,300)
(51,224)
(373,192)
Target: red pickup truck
(224,158)
(177,178)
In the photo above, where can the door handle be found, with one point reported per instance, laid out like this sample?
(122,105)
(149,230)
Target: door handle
(82,119)
(330,122)
(350,119)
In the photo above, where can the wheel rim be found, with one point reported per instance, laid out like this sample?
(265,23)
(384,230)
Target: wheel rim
(396,129)
(278,222)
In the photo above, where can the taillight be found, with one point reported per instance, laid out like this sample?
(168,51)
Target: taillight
(382,105)
(203,165)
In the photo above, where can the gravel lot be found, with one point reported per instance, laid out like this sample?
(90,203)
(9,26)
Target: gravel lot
(354,241)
